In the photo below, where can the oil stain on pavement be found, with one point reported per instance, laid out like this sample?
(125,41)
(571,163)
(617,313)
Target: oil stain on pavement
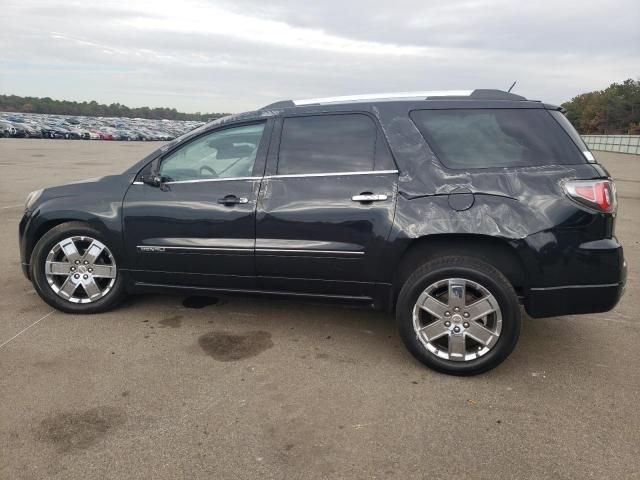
(70,431)
(230,347)
(173,322)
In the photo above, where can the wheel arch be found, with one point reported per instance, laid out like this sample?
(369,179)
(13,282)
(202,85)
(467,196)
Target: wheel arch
(40,230)
(44,225)
(500,253)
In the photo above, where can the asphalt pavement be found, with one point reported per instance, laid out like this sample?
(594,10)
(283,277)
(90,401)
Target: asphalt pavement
(174,387)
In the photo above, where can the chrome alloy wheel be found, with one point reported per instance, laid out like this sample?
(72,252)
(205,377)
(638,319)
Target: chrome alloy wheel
(457,319)
(80,269)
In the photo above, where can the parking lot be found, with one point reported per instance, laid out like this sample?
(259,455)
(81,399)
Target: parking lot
(154,389)
(75,127)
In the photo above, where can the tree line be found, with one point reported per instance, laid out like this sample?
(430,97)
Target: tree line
(14,103)
(614,110)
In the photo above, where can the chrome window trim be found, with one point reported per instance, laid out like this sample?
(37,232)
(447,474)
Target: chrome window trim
(332,174)
(293,175)
(212,180)
(203,180)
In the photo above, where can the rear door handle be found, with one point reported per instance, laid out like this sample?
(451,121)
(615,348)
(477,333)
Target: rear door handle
(233,200)
(369,197)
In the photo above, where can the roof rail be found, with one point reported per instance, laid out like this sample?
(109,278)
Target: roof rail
(490,94)
(478,94)
(421,95)
(280,104)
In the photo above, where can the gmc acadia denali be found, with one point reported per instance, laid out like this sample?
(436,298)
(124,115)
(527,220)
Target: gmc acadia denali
(451,209)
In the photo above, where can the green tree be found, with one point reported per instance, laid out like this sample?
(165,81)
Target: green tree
(14,103)
(614,110)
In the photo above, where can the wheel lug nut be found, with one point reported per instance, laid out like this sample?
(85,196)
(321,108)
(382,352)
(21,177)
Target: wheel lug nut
(465,314)
(90,269)
(77,262)
(73,269)
(85,276)
(456,309)
(456,329)
(86,263)
(76,276)
(447,314)
(447,323)
(465,324)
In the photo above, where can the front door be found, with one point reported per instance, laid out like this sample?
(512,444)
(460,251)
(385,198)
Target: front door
(326,206)
(198,227)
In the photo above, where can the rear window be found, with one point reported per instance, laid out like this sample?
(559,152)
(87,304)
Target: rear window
(484,138)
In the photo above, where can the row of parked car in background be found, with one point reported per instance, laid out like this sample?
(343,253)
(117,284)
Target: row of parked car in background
(33,125)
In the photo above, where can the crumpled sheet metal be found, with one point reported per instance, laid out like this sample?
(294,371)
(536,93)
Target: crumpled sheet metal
(489,215)
(522,202)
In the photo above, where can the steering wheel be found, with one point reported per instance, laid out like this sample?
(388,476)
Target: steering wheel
(204,168)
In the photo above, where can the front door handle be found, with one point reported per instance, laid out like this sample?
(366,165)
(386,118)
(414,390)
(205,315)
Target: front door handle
(233,200)
(369,197)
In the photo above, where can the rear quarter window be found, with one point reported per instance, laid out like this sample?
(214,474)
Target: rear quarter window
(486,138)
(575,136)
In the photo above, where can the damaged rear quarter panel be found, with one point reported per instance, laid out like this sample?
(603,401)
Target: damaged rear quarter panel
(512,204)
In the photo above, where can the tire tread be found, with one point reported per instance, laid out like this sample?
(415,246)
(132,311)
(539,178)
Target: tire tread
(511,314)
(110,301)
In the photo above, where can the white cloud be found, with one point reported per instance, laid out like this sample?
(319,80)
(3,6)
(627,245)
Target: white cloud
(232,55)
(189,17)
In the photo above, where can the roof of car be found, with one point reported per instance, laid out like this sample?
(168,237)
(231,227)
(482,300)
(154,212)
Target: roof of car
(478,94)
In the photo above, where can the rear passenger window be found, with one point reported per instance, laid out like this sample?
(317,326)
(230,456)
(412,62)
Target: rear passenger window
(482,138)
(326,144)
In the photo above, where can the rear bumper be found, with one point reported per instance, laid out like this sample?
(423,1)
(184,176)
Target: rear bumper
(575,299)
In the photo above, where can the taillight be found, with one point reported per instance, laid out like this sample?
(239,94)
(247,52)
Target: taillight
(597,194)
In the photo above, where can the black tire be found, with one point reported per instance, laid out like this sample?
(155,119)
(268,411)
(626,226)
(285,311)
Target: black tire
(39,256)
(470,269)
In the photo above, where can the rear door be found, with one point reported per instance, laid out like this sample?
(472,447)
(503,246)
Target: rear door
(198,227)
(326,205)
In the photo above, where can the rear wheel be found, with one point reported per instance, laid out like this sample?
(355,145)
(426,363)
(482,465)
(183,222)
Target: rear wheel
(458,315)
(75,271)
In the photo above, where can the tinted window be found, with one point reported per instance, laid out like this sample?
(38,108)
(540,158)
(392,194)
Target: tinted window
(575,136)
(222,154)
(328,143)
(481,138)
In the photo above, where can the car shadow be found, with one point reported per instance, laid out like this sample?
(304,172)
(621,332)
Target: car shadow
(358,335)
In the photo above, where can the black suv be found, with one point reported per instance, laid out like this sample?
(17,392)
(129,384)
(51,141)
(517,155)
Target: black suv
(450,208)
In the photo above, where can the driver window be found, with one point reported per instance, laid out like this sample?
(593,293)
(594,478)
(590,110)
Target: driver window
(222,154)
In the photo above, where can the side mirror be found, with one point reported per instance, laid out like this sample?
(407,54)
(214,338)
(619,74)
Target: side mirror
(153,180)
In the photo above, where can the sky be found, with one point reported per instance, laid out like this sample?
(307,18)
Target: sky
(237,55)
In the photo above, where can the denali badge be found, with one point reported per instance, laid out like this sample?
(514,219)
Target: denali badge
(150,249)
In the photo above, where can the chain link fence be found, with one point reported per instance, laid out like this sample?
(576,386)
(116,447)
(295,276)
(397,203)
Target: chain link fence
(614,143)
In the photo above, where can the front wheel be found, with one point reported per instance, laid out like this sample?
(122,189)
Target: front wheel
(458,315)
(74,270)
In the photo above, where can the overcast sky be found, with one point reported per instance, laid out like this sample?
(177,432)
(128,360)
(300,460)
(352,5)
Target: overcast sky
(234,55)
